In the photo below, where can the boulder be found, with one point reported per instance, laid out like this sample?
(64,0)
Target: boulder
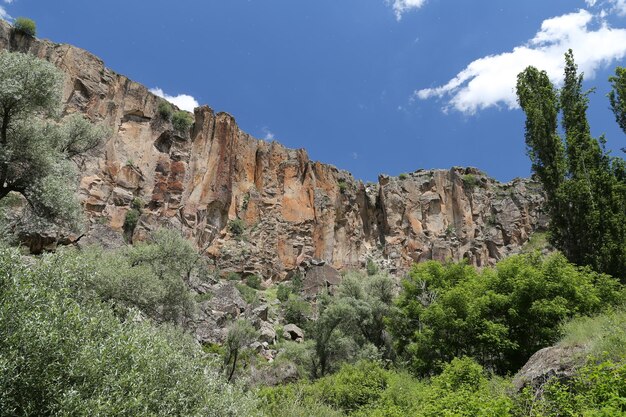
(293,332)
(554,361)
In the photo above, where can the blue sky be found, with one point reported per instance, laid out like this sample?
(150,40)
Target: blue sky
(371,86)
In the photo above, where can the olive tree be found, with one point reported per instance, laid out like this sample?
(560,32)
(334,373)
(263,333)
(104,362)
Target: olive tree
(37,147)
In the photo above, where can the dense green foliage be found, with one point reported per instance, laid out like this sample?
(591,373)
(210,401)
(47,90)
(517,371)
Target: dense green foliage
(463,388)
(166,111)
(499,316)
(36,150)
(236,227)
(351,325)
(149,276)
(367,390)
(64,352)
(182,121)
(240,335)
(585,186)
(26,26)
(617,96)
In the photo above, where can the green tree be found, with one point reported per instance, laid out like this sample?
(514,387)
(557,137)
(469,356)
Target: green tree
(585,186)
(240,335)
(617,96)
(36,153)
(498,316)
(150,276)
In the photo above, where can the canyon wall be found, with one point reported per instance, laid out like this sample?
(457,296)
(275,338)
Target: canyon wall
(295,211)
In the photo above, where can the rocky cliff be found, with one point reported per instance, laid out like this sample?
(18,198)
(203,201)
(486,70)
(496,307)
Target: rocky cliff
(294,210)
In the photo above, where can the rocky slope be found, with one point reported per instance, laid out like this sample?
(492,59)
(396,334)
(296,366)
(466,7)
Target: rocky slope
(296,211)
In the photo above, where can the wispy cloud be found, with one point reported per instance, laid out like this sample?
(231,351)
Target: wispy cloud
(182,101)
(490,81)
(268,134)
(402,6)
(613,6)
(4,14)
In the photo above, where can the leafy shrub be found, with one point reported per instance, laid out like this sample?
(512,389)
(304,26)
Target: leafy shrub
(403,176)
(26,26)
(130,221)
(283,291)
(470,181)
(343,186)
(165,110)
(368,390)
(182,121)
(249,295)
(353,386)
(237,227)
(62,352)
(371,267)
(253,281)
(297,310)
(149,276)
(233,276)
(137,203)
(499,316)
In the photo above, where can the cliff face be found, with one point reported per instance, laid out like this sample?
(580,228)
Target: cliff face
(294,209)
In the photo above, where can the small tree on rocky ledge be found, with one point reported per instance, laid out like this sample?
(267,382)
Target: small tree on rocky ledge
(26,26)
(36,147)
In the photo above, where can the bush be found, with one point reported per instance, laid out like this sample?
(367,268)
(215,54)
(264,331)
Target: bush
(26,26)
(149,276)
(343,186)
(470,181)
(63,352)
(371,267)
(182,121)
(236,227)
(297,310)
(353,387)
(283,291)
(499,316)
(130,221)
(249,295)
(253,281)
(403,176)
(165,110)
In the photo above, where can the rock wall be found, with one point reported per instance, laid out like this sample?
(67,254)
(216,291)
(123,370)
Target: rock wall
(295,210)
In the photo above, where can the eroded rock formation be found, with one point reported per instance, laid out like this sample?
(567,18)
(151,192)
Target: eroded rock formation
(294,209)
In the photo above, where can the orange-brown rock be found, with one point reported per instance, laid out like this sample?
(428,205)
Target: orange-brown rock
(294,209)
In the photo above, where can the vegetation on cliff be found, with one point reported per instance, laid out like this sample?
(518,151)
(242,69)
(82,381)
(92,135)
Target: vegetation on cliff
(37,148)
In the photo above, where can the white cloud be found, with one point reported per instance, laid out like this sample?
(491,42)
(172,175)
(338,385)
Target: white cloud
(402,6)
(490,81)
(268,134)
(182,101)
(4,15)
(614,6)
(8,1)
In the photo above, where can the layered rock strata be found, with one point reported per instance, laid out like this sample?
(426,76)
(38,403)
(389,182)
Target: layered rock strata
(293,210)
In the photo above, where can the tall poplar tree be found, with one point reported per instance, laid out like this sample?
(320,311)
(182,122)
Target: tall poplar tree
(584,184)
